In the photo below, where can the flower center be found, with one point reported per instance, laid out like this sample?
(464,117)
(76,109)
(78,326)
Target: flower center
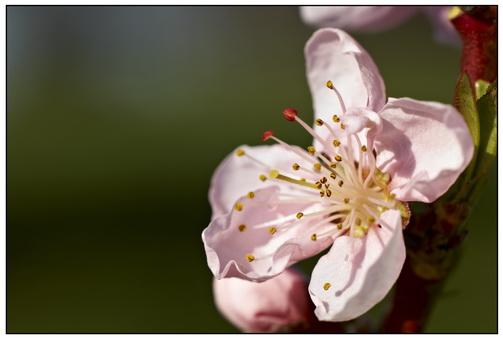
(348,192)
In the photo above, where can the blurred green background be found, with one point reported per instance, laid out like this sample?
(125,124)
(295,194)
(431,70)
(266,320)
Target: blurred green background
(117,117)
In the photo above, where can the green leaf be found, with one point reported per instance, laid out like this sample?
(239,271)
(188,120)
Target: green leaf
(466,104)
(481,87)
(487,108)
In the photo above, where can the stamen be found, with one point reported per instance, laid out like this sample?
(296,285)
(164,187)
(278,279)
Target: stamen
(250,257)
(263,178)
(275,174)
(290,114)
(299,215)
(326,286)
(317,166)
(240,152)
(336,143)
(313,237)
(239,206)
(251,194)
(267,135)
(343,107)
(295,166)
(319,122)
(272,230)
(242,228)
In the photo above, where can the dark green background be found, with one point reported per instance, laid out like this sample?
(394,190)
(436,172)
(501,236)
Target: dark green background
(117,117)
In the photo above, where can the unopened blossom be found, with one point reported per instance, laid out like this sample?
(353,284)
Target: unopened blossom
(280,304)
(369,19)
(276,205)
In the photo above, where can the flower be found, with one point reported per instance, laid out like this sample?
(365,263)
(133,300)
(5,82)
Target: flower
(276,205)
(277,305)
(379,18)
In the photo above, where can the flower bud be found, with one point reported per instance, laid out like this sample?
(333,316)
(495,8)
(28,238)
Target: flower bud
(281,304)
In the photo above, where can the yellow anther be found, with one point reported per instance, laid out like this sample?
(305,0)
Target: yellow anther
(336,119)
(313,237)
(332,175)
(340,183)
(299,215)
(322,193)
(250,257)
(318,185)
(263,178)
(295,166)
(240,152)
(338,158)
(336,142)
(342,126)
(327,185)
(330,85)
(317,166)
(323,180)
(251,194)
(339,226)
(242,228)
(359,231)
(311,150)
(333,165)
(273,173)
(272,230)
(302,179)
(392,196)
(329,193)
(319,122)
(346,200)
(371,220)
(239,206)
(358,221)
(326,286)
(364,148)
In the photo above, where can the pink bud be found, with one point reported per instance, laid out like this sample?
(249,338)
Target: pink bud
(281,304)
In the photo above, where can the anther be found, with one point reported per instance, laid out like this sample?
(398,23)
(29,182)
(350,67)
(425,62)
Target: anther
(329,193)
(263,178)
(302,179)
(340,183)
(358,221)
(342,126)
(332,175)
(299,215)
(323,180)
(319,122)
(326,286)
(290,114)
(346,200)
(295,166)
(336,119)
(339,226)
(322,193)
(272,230)
(239,206)
(267,135)
(275,174)
(327,185)
(313,237)
(364,148)
(317,166)
(242,228)
(338,158)
(330,85)
(251,194)
(336,143)
(240,152)
(250,257)
(318,185)
(371,220)
(311,150)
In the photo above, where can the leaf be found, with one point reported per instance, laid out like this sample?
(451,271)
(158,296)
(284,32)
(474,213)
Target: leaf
(466,104)
(487,108)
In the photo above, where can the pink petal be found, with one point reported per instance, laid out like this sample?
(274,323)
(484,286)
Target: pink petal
(264,307)
(443,29)
(360,271)
(236,176)
(356,18)
(227,247)
(424,146)
(331,54)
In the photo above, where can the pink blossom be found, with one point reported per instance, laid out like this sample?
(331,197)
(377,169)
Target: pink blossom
(379,18)
(276,205)
(277,305)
